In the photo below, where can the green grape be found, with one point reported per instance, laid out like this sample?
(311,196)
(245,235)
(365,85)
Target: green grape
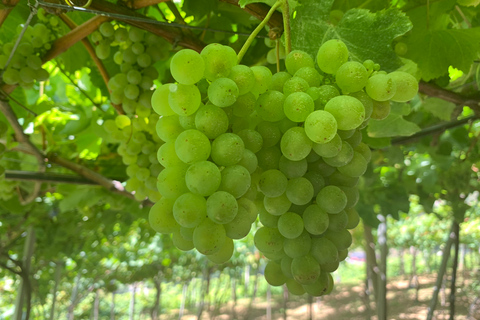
(338,221)
(295,144)
(118,58)
(121,35)
(263,79)
(297,59)
(305,269)
(352,196)
(249,161)
(243,77)
(364,150)
(332,199)
(325,93)
(316,179)
(342,239)
(146,83)
(292,169)
(235,180)
(136,34)
(134,76)
(223,92)
(268,240)
(319,287)
(160,100)
(161,216)
(295,84)
(381,87)
(272,183)
(224,254)
(299,191)
(106,29)
(171,182)
(277,205)
(329,149)
(34,62)
(252,139)
(279,79)
(351,77)
(131,91)
(192,146)
(366,101)
(25,49)
(143,174)
(274,275)
(222,207)
(190,209)
(203,178)
(227,149)
(187,122)
(341,180)
(240,226)
(183,99)
(270,133)
(269,106)
(244,105)
(331,55)
(187,233)
(310,75)
(290,225)
(268,219)
(294,287)
(298,106)
(298,247)
(219,60)
(181,243)
(102,50)
(407,86)
(187,67)
(342,158)
(138,48)
(348,111)
(353,218)
(168,128)
(381,110)
(286,266)
(316,219)
(11,76)
(122,121)
(356,167)
(320,126)
(324,251)
(209,237)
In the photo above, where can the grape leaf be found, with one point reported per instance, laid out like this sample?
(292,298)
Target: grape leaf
(199,9)
(435,50)
(434,47)
(438,107)
(367,35)
(393,125)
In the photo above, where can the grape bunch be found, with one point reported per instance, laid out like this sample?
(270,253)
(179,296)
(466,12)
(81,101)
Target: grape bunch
(135,52)
(25,67)
(241,143)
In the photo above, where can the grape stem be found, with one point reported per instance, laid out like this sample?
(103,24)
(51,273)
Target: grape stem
(286,26)
(257,30)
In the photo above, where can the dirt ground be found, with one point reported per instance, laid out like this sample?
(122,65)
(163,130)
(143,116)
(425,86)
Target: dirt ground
(347,303)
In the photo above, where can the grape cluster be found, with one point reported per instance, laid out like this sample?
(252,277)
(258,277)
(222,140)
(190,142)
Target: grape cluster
(241,142)
(135,52)
(7,187)
(25,67)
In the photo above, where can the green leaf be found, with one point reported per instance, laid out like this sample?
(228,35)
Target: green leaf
(367,35)
(199,9)
(439,108)
(243,3)
(393,125)
(435,50)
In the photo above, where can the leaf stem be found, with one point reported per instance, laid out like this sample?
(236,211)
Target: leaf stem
(286,26)
(257,30)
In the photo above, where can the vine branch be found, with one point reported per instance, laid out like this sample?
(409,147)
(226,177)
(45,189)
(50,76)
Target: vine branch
(450,96)
(9,4)
(259,11)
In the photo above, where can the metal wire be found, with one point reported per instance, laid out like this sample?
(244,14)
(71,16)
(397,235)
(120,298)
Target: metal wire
(140,19)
